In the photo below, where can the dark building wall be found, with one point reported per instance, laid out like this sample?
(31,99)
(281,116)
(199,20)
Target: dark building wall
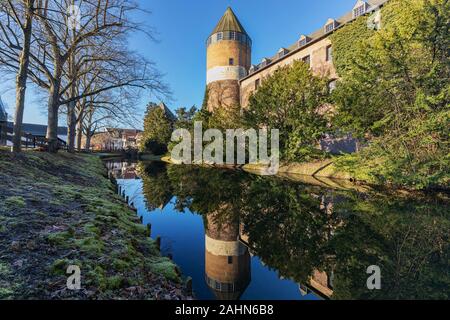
(3,128)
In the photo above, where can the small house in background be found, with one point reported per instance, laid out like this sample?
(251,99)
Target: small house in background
(115,139)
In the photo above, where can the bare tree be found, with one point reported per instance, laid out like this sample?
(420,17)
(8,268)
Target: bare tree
(63,53)
(21,14)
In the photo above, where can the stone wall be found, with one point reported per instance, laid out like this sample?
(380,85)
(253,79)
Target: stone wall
(319,65)
(223,94)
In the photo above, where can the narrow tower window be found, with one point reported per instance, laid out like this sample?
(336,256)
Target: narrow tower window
(231,62)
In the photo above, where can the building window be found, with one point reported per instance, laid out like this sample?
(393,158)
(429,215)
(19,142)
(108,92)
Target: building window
(264,62)
(303,42)
(329,27)
(257,83)
(307,60)
(359,11)
(332,86)
(219,36)
(232,35)
(231,62)
(282,52)
(230,259)
(329,53)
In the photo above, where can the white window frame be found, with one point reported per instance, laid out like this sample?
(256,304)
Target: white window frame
(333,26)
(359,11)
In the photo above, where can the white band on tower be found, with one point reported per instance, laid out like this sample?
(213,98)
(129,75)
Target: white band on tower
(225,73)
(224,248)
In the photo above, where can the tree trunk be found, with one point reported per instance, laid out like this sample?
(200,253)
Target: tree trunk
(52,125)
(71,127)
(21,81)
(71,112)
(88,141)
(79,131)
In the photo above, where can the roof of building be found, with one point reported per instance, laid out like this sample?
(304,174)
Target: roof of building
(229,22)
(318,34)
(169,114)
(3,114)
(38,129)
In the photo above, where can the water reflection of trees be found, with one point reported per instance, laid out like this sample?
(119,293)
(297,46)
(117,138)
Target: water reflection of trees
(300,230)
(156,187)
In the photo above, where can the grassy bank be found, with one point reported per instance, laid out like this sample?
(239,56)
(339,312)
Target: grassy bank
(61,210)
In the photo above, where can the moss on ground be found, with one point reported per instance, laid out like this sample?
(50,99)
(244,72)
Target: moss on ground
(61,210)
(15,202)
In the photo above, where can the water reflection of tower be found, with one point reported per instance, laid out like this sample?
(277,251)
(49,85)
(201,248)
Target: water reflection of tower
(227,260)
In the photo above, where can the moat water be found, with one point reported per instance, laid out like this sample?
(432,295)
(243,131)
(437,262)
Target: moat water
(242,236)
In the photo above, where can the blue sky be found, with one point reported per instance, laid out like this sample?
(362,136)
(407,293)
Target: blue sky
(183,27)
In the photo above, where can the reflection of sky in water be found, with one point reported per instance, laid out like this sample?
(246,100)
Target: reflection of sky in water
(183,236)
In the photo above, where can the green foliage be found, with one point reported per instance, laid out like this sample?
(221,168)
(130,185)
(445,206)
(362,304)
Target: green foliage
(290,100)
(15,202)
(157,130)
(395,93)
(185,117)
(223,118)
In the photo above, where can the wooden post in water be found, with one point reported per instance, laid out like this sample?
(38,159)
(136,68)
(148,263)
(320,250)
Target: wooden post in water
(127,199)
(189,285)
(149,229)
(158,242)
(141,219)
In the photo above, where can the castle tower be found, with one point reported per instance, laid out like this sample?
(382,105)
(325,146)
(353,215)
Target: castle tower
(228,60)
(227,260)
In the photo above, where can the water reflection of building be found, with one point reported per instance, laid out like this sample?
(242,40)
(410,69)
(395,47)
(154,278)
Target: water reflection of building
(123,170)
(227,259)
(320,283)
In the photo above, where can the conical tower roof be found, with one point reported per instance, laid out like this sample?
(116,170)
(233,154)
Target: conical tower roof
(229,22)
